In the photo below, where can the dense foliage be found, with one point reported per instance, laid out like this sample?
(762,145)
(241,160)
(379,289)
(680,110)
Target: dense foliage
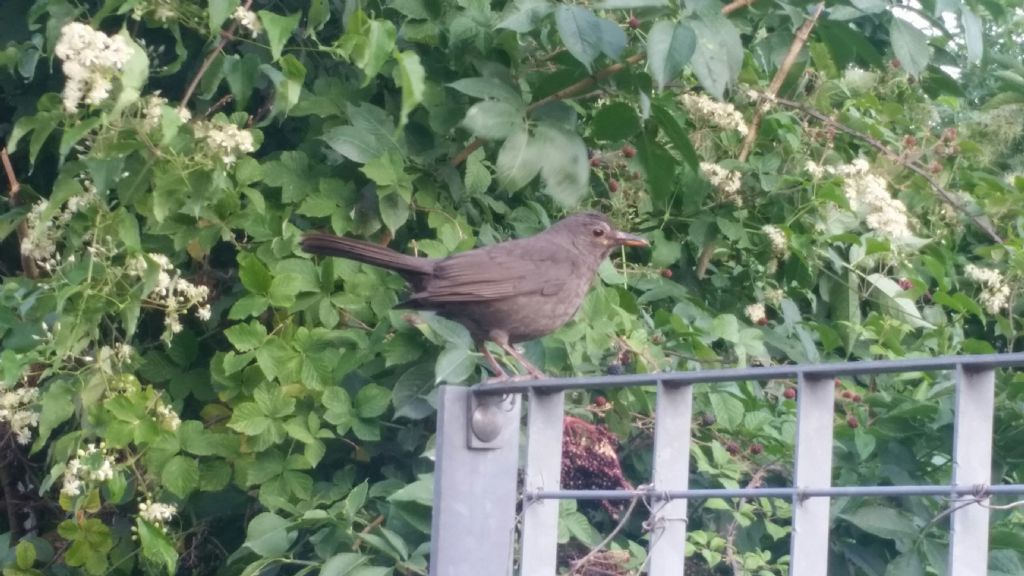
(181,389)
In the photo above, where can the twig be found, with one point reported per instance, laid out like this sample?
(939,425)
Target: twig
(911,165)
(366,530)
(585,84)
(27,264)
(225,37)
(799,41)
(582,562)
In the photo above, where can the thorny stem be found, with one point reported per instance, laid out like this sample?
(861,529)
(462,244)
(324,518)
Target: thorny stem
(226,36)
(27,264)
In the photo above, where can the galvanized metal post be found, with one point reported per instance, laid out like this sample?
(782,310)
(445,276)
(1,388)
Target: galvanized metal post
(972,466)
(674,412)
(813,469)
(543,472)
(473,525)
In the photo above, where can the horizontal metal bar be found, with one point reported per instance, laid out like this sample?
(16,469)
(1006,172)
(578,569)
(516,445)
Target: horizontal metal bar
(780,492)
(969,362)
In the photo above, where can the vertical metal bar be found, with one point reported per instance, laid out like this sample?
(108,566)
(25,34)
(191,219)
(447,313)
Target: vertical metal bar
(815,409)
(673,415)
(474,512)
(543,472)
(972,466)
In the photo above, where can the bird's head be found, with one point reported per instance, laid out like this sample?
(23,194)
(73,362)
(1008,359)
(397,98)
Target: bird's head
(595,230)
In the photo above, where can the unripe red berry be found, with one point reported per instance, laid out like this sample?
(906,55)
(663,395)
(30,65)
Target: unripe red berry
(595,161)
(666,273)
(910,142)
(856,398)
(895,63)
(756,448)
(628,151)
(762,321)
(906,284)
(838,382)
(634,23)
(847,394)
(852,422)
(613,185)
(789,393)
(600,401)
(935,168)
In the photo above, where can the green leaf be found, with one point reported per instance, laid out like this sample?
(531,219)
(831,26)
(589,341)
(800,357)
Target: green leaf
(279,29)
(283,289)
(250,305)
(518,161)
(246,337)
(368,43)
(181,475)
(525,15)
(339,409)
(613,38)
(411,393)
(454,365)
(343,564)
(666,251)
(410,75)
(673,128)
(273,401)
(564,169)
(882,521)
(25,554)
(910,45)
(254,274)
(156,546)
(133,76)
(218,11)
(727,409)
(353,143)
(419,492)
(973,34)
(669,47)
(581,32)
(615,122)
(57,406)
(394,210)
(248,419)
(287,83)
(372,400)
(268,535)
(893,300)
(659,168)
(494,119)
(488,88)
(718,56)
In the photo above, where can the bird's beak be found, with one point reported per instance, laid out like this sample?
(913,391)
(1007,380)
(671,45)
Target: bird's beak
(627,239)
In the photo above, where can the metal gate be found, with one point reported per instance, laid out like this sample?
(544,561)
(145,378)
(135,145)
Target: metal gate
(478,454)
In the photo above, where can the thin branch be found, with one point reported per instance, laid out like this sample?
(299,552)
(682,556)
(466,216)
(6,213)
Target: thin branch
(911,165)
(582,562)
(366,530)
(584,85)
(799,41)
(28,266)
(226,36)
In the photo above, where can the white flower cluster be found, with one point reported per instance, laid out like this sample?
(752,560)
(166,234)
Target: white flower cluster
(869,195)
(16,409)
(721,114)
(172,292)
(726,181)
(153,111)
(247,19)
(42,231)
(814,169)
(91,61)
(774,296)
(755,313)
(995,295)
(157,513)
(168,417)
(91,465)
(858,80)
(225,140)
(162,10)
(777,238)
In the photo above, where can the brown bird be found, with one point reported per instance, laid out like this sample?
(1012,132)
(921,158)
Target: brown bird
(506,293)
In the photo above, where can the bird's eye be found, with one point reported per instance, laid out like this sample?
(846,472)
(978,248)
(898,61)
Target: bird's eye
(598,232)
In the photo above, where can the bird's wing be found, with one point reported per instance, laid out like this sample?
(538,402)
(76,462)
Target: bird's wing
(496,272)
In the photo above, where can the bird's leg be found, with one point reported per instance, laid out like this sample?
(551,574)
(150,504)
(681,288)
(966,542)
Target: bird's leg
(499,372)
(533,370)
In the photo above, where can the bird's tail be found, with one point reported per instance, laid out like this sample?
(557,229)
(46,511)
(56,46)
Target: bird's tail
(366,252)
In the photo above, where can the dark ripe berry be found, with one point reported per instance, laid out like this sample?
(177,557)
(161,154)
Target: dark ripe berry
(927,297)
(666,273)
(628,151)
(732,448)
(634,23)
(595,161)
(625,357)
(756,448)
(855,398)
(708,419)
(906,284)
(613,185)
(600,401)
(895,63)
(762,321)
(789,393)
(847,394)
(615,369)
(852,422)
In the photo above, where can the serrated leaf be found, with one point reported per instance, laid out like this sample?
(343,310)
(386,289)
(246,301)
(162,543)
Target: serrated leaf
(615,122)
(410,75)
(910,45)
(494,119)
(355,144)
(524,15)
(180,475)
(279,29)
(581,32)
(246,337)
(669,48)
(881,521)
(564,169)
(454,365)
(488,88)
(372,400)
(268,536)
(718,56)
(518,162)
